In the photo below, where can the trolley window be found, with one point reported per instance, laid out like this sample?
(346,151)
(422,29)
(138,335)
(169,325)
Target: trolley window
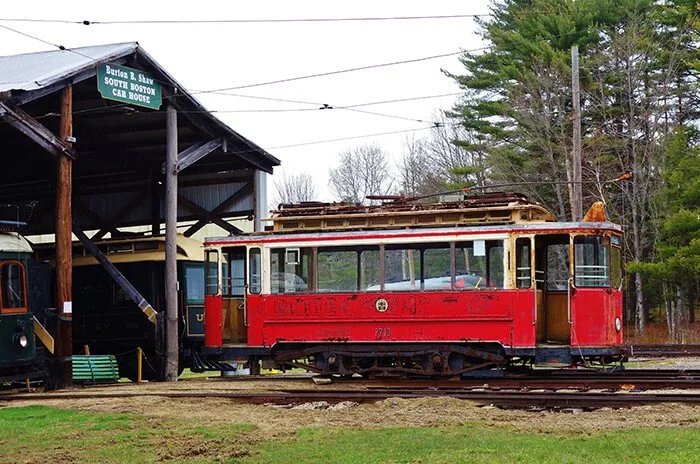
(194,276)
(337,270)
(12,282)
(479,264)
(254,268)
(436,267)
(615,265)
(558,266)
(523,267)
(211,274)
(233,270)
(402,269)
(592,261)
(290,269)
(370,269)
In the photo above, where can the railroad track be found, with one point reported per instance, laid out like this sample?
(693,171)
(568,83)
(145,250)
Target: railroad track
(513,398)
(538,389)
(664,351)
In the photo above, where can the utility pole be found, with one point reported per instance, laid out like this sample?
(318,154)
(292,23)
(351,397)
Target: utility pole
(171,339)
(576,187)
(64,249)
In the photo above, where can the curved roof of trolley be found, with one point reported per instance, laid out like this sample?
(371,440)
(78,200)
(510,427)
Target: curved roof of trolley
(133,250)
(12,242)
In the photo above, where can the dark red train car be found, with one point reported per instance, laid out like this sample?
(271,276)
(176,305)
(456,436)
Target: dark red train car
(416,288)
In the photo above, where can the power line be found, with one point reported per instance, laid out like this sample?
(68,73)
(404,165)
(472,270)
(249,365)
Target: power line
(46,42)
(248,21)
(317,107)
(304,144)
(341,71)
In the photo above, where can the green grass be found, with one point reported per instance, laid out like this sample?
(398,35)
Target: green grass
(43,434)
(479,444)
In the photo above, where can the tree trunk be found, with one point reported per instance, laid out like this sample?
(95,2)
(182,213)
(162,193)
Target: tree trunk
(640,321)
(669,312)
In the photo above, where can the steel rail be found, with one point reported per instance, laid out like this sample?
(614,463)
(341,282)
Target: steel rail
(664,350)
(506,398)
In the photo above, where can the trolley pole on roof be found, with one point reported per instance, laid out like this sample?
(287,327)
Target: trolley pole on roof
(64,249)
(171,339)
(576,187)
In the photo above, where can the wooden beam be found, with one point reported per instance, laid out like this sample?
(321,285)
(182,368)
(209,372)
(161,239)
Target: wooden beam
(217,212)
(195,153)
(117,276)
(64,250)
(230,228)
(171,333)
(25,123)
(43,335)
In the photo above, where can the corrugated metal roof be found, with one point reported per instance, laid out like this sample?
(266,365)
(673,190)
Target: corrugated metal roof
(31,71)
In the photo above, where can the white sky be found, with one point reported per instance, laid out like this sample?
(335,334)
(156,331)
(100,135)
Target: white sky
(212,56)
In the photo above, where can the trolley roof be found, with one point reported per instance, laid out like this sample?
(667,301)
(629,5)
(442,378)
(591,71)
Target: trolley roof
(132,250)
(12,242)
(489,208)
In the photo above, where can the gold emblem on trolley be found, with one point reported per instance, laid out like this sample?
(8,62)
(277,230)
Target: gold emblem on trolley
(382,305)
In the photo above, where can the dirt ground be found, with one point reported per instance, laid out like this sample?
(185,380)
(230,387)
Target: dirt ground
(275,421)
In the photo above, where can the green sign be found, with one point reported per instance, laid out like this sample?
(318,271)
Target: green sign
(129,85)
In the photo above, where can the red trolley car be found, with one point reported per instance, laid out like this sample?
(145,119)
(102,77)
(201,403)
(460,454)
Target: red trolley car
(416,288)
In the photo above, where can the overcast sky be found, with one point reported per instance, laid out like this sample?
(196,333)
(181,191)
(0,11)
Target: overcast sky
(213,56)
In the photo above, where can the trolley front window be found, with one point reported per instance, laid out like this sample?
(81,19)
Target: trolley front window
(592,261)
(211,272)
(254,271)
(615,262)
(523,268)
(12,286)
(194,276)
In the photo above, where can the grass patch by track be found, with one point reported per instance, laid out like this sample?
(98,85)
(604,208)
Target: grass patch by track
(44,434)
(479,444)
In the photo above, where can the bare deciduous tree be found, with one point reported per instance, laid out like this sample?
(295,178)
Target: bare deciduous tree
(362,171)
(294,188)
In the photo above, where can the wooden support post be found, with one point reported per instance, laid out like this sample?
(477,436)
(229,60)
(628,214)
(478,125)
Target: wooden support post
(576,187)
(64,250)
(171,339)
(139,365)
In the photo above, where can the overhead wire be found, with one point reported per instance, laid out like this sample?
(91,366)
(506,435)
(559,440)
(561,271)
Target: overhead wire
(340,71)
(86,22)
